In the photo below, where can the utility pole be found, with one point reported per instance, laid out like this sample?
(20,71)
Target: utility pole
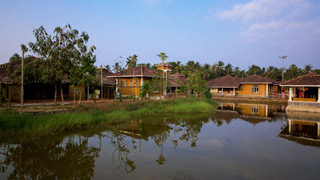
(283,58)
(101,83)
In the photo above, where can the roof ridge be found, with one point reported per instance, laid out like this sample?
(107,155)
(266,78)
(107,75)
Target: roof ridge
(300,77)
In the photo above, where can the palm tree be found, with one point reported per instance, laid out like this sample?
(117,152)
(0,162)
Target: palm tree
(178,67)
(23,49)
(307,69)
(116,67)
(107,67)
(163,56)
(220,68)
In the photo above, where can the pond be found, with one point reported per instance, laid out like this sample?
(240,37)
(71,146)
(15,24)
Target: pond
(238,141)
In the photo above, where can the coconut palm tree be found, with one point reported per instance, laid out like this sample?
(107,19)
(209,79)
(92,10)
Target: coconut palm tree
(163,56)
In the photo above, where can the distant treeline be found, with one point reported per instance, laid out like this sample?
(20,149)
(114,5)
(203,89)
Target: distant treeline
(220,69)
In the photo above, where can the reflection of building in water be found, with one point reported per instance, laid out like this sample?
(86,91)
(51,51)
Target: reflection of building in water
(252,110)
(303,129)
(252,113)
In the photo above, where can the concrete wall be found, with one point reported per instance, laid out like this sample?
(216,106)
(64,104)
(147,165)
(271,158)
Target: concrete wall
(246,89)
(303,106)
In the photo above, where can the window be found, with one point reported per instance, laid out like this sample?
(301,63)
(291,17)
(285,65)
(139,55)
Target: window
(130,83)
(125,83)
(255,89)
(254,110)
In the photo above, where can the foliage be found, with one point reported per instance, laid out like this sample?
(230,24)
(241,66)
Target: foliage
(145,89)
(55,123)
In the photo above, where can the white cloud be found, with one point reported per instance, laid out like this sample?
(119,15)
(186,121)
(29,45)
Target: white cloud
(281,19)
(258,9)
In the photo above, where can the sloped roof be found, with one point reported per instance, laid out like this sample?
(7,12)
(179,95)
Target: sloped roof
(257,79)
(4,75)
(136,71)
(224,82)
(106,79)
(175,79)
(311,79)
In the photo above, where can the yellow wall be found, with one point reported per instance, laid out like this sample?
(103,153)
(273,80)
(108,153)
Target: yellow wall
(246,109)
(127,89)
(163,67)
(246,89)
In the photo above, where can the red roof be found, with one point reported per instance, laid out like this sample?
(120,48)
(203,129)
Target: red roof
(311,79)
(224,82)
(234,82)
(257,79)
(136,71)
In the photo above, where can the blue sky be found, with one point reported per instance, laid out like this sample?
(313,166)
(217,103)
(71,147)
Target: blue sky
(240,32)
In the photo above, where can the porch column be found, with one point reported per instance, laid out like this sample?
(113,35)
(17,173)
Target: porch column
(267,88)
(318,95)
(290,126)
(318,128)
(234,91)
(222,91)
(233,107)
(141,81)
(290,94)
(117,84)
(267,108)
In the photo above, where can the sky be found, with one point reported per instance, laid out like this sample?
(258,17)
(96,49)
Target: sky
(240,32)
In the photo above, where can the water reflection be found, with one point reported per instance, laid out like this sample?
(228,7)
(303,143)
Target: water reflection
(302,128)
(55,158)
(223,145)
(252,113)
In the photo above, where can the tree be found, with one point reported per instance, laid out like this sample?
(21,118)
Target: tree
(61,52)
(254,69)
(228,69)
(307,69)
(24,49)
(162,56)
(132,61)
(220,69)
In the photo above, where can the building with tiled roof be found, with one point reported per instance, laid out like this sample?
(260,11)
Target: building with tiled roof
(251,86)
(304,91)
(130,81)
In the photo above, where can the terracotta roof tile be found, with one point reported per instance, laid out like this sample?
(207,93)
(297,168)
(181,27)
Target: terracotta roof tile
(257,79)
(309,79)
(137,71)
(225,82)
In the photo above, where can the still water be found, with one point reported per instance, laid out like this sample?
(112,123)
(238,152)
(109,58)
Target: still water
(238,141)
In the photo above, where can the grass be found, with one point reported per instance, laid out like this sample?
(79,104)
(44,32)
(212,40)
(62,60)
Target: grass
(66,122)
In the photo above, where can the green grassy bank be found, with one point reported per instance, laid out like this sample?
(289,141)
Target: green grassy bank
(65,122)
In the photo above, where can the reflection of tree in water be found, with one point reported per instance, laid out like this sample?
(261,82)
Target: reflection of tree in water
(49,159)
(120,153)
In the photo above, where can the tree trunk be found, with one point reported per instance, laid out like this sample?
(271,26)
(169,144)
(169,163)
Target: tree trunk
(22,90)
(55,94)
(62,95)
(88,93)
(74,97)
(80,98)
